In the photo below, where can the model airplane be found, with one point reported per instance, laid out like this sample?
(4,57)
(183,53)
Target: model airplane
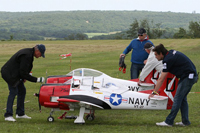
(65,55)
(88,90)
(102,78)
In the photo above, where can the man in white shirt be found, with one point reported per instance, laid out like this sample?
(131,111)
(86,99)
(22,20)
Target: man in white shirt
(151,63)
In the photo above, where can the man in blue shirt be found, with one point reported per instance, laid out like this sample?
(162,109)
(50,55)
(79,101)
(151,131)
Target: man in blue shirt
(139,55)
(182,67)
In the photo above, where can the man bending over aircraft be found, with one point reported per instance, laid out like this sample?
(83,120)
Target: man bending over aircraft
(15,72)
(151,63)
(182,67)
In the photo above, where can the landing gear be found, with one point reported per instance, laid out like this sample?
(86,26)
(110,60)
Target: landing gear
(79,119)
(62,116)
(90,117)
(50,119)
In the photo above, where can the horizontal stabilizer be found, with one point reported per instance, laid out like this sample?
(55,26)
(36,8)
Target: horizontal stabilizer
(158,98)
(147,84)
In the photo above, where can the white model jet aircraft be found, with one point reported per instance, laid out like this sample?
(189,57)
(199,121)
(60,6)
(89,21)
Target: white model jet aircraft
(88,90)
(99,79)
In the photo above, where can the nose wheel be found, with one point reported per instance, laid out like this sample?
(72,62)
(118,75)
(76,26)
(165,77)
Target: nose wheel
(50,119)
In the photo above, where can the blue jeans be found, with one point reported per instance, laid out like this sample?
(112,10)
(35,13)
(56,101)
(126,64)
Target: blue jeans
(20,91)
(180,101)
(135,70)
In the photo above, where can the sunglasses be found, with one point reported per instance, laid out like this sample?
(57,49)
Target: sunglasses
(140,34)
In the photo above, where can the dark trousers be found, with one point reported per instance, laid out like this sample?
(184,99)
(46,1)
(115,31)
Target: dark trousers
(180,101)
(135,70)
(20,91)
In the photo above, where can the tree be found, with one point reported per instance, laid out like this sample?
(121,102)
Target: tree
(132,32)
(81,36)
(194,31)
(77,36)
(71,36)
(11,37)
(157,32)
(145,24)
(152,31)
(181,33)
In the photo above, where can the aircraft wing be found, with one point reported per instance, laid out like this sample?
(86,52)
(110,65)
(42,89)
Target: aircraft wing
(87,101)
(67,100)
(76,103)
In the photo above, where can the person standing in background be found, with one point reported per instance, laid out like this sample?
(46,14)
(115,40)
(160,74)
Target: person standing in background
(138,53)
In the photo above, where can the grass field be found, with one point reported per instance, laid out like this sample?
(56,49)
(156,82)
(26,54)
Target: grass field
(104,56)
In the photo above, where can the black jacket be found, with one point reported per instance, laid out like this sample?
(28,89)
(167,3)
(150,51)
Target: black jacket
(18,67)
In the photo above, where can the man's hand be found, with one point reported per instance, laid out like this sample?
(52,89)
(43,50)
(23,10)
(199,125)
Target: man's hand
(121,55)
(139,83)
(145,61)
(151,95)
(40,79)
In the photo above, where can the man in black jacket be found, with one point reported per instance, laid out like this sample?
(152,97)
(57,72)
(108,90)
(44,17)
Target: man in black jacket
(15,72)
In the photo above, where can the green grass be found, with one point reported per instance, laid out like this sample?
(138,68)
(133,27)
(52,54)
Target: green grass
(104,56)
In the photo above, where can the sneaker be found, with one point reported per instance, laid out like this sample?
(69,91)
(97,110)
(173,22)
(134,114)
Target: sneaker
(163,124)
(23,116)
(180,124)
(10,118)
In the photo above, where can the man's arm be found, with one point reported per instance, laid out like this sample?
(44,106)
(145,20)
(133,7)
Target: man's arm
(25,63)
(128,48)
(159,82)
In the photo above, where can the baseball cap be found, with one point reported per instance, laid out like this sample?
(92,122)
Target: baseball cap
(147,45)
(42,49)
(141,31)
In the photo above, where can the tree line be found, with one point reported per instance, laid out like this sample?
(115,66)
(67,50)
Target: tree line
(155,31)
(193,32)
(72,25)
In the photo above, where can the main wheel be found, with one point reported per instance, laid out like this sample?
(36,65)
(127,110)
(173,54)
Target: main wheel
(50,119)
(90,117)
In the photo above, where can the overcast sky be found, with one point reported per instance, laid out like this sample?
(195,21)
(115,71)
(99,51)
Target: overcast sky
(184,6)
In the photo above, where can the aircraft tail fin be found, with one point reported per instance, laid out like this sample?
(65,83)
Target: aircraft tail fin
(169,88)
(151,78)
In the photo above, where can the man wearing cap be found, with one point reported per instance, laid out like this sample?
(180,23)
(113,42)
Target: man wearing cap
(15,72)
(138,53)
(151,63)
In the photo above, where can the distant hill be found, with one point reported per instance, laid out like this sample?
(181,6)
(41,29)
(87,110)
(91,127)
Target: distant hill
(59,23)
